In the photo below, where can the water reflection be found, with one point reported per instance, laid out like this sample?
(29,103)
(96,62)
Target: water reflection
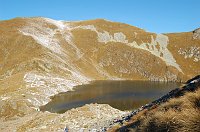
(123,95)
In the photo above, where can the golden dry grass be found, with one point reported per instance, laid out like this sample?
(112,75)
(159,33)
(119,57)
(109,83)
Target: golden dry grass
(119,60)
(177,115)
(184,41)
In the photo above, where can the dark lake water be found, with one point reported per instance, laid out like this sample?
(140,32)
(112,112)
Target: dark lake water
(123,95)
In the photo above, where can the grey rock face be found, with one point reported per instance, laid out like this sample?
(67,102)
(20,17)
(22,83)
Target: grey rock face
(196,33)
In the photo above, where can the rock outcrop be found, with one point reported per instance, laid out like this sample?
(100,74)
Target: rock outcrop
(196,34)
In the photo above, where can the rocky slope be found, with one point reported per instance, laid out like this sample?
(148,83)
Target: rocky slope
(40,57)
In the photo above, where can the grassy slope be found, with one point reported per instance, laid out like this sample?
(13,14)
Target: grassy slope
(180,114)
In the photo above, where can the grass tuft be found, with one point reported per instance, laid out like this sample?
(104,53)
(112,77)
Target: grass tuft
(177,115)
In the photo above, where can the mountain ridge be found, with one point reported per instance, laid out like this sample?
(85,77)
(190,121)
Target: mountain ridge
(101,19)
(120,37)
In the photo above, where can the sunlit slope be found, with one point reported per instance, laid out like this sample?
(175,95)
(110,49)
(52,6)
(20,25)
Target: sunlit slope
(96,49)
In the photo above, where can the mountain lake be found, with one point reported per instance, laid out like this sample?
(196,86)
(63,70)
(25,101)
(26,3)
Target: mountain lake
(122,95)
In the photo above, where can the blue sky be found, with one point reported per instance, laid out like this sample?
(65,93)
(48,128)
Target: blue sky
(160,16)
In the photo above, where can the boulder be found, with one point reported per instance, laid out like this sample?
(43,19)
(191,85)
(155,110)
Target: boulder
(196,33)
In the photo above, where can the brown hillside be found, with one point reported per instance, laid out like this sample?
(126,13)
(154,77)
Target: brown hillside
(40,57)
